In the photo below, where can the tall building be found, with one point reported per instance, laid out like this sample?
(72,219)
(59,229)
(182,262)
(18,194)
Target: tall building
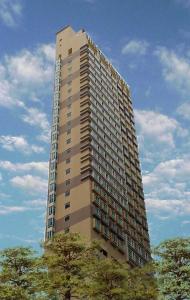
(95,184)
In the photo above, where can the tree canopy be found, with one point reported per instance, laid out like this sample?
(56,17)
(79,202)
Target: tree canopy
(72,268)
(173,268)
(18,273)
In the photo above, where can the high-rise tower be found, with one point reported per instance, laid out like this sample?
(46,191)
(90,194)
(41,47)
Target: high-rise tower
(95,184)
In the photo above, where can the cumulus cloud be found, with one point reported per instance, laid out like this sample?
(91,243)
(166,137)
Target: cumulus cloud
(37,118)
(10,12)
(135,47)
(170,207)
(176,69)
(27,206)
(184,110)
(40,167)
(19,143)
(174,169)
(167,188)
(37,202)
(158,127)
(29,183)
(7,97)
(26,76)
(32,67)
(4,210)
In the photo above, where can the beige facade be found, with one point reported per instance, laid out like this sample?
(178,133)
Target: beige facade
(95,184)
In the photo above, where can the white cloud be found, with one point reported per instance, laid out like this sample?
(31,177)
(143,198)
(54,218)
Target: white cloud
(41,167)
(19,143)
(10,12)
(175,169)
(32,184)
(135,47)
(185,222)
(171,207)
(37,202)
(32,67)
(184,110)
(37,118)
(49,51)
(26,76)
(158,127)
(167,188)
(7,92)
(176,69)
(34,205)
(4,210)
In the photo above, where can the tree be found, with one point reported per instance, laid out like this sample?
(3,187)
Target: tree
(141,283)
(18,273)
(71,268)
(77,269)
(110,279)
(105,279)
(65,257)
(173,268)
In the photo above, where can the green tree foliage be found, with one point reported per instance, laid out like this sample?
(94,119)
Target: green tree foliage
(71,269)
(173,268)
(77,269)
(18,274)
(105,279)
(141,283)
(110,279)
(66,257)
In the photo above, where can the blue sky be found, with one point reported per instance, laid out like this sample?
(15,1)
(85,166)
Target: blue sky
(149,43)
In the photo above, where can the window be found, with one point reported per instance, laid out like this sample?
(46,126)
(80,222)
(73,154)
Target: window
(68,160)
(52,210)
(50,222)
(52,187)
(68,131)
(68,150)
(67,218)
(69,90)
(53,155)
(67,205)
(67,193)
(70,51)
(68,171)
(49,234)
(51,198)
(68,114)
(53,166)
(67,182)
(68,141)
